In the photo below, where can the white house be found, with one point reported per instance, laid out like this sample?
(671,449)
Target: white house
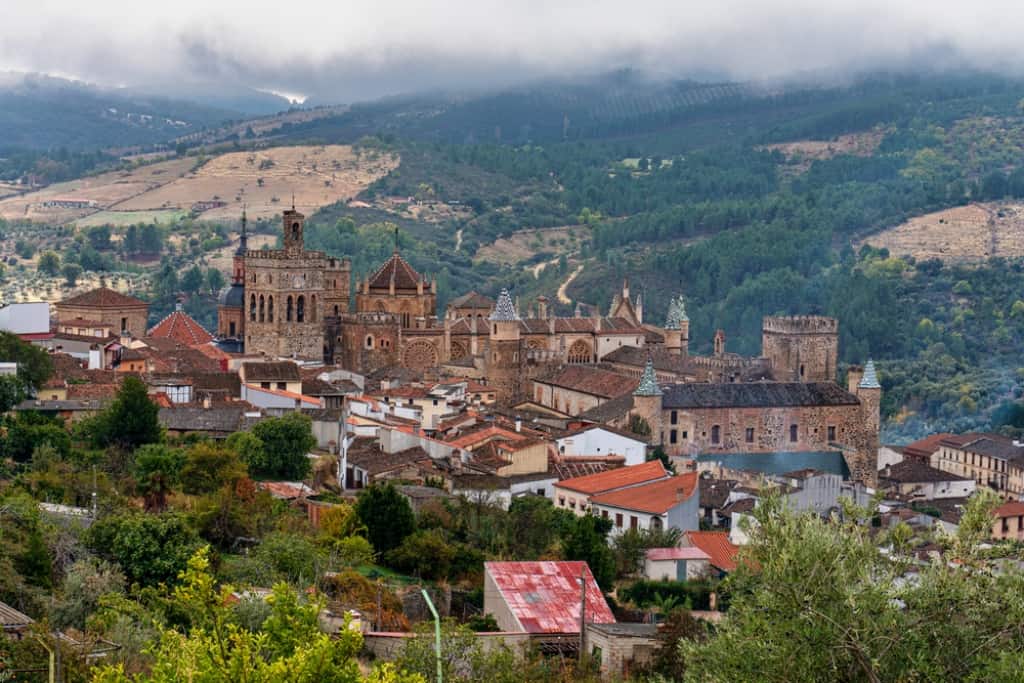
(676,564)
(924,482)
(602,440)
(26,318)
(671,503)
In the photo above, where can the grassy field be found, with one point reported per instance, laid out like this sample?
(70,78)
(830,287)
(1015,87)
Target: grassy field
(120,219)
(964,234)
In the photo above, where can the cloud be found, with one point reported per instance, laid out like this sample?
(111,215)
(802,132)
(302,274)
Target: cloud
(352,50)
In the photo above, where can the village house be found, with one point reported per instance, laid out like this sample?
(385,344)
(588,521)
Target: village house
(1009,521)
(671,503)
(913,479)
(575,494)
(989,459)
(676,564)
(603,440)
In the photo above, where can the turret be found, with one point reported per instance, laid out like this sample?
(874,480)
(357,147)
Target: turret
(862,458)
(673,334)
(293,224)
(647,402)
(502,358)
(719,342)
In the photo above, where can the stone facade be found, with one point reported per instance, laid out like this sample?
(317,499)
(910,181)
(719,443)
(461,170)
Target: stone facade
(801,348)
(106,307)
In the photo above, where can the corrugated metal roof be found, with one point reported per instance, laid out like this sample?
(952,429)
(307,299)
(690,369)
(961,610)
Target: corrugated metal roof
(545,596)
(11,619)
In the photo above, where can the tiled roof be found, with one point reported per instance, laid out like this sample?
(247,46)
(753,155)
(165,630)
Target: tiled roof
(768,394)
(470,438)
(715,492)
(691,553)
(1013,508)
(717,546)
(470,326)
(870,378)
(375,461)
(648,382)
(923,448)
(617,478)
(504,309)
(181,327)
(544,597)
(397,268)
(102,297)
(590,380)
(271,371)
(13,620)
(218,418)
(657,497)
(472,300)
(80,391)
(916,472)
(609,410)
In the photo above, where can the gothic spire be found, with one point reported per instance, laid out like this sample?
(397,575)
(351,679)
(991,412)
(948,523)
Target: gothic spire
(870,378)
(648,381)
(504,309)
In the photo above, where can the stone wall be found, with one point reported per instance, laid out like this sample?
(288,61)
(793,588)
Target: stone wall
(801,348)
(131,318)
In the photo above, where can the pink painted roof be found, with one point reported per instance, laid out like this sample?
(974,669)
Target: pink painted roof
(545,596)
(656,554)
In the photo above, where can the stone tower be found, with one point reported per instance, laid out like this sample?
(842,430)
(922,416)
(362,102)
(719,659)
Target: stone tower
(647,403)
(677,328)
(863,457)
(802,348)
(503,356)
(284,296)
(231,304)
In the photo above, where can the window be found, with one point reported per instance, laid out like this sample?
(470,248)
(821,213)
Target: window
(312,309)
(634,523)
(262,307)
(831,432)
(1006,525)
(561,501)
(793,433)
(572,503)
(270,309)
(716,434)
(264,385)
(231,329)
(686,435)
(674,417)
(604,514)
(335,309)
(252,308)
(801,371)
(124,323)
(618,520)
(288,310)
(656,523)
(750,435)
(369,341)
(282,386)
(300,309)
(673,436)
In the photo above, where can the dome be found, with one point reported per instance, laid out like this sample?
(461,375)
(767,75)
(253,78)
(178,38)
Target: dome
(232,296)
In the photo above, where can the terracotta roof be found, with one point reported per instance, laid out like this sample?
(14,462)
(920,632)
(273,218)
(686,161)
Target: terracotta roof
(593,381)
(544,597)
(923,448)
(617,478)
(657,497)
(717,546)
(995,446)
(472,299)
(470,326)
(375,461)
(690,553)
(102,297)
(489,431)
(405,276)
(272,371)
(181,327)
(1013,508)
(79,391)
(770,394)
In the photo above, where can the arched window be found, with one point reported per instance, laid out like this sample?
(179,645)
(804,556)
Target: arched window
(288,310)
(793,433)
(252,308)
(312,309)
(295,231)
(716,434)
(300,309)
(262,318)
(254,278)
(369,341)
(579,352)
(270,309)
(335,309)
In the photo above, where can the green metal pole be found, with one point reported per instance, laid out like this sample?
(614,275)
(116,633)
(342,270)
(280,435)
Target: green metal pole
(437,634)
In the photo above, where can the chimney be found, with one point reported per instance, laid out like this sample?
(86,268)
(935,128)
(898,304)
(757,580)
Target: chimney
(519,424)
(206,402)
(542,306)
(178,305)
(854,374)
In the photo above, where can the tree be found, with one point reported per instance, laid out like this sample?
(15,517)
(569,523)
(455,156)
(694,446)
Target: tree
(586,540)
(426,554)
(150,239)
(71,272)
(130,244)
(630,547)
(207,467)
(193,280)
(85,583)
(677,627)
(214,280)
(49,263)
(816,600)
(387,516)
(157,473)
(29,430)
(533,528)
(99,237)
(150,548)
(286,442)
(34,364)
(214,648)
(131,420)
(12,392)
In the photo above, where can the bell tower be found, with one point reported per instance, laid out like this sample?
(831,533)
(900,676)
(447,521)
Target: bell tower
(294,224)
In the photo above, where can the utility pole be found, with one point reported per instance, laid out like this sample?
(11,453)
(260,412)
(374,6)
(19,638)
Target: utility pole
(437,633)
(583,612)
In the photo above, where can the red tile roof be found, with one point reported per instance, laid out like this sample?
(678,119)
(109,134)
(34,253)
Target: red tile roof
(689,553)
(923,448)
(717,546)
(182,328)
(396,267)
(616,479)
(545,596)
(657,497)
(1013,508)
(594,381)
(103,297)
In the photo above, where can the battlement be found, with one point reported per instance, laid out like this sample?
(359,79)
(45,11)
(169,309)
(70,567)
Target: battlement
(280,254)
(371,318)
(800,324)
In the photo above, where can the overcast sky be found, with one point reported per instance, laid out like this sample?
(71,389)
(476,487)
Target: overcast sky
(358,49)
